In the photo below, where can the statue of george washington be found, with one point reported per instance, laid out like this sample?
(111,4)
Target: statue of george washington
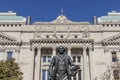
(61,66)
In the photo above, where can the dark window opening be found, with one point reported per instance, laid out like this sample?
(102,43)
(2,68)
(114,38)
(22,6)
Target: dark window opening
(44,59)
(49,59)
(3,25)
(47,36)
(15,25)
(103,25)
(61,36)
(76,36)
(116,74)
(74,59)
(11,25)
(9,55)
(19,24)
(7,25)
(79,59)
(114,56)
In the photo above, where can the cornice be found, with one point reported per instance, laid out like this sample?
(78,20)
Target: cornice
(110,43)
(61,41)
(11,43)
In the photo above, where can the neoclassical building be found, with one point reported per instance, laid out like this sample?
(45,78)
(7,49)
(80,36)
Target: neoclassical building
(94,47)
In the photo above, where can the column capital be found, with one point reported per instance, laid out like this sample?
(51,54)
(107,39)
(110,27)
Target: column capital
(91,48)
(69,47)
(84,47)
(38,47)
(54,47)
(54,50)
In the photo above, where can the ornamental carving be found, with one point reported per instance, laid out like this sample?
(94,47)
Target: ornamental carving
(8,40)
(112,40)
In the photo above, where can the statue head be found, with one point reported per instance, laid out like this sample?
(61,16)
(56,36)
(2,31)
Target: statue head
(61,49)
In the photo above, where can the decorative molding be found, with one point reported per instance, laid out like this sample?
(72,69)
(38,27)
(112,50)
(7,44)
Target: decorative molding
(61,41)
(5,37)
(8,40)
(112,40)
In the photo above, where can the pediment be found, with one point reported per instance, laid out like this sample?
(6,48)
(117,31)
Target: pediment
(7,38)
(112,40)
(61,19)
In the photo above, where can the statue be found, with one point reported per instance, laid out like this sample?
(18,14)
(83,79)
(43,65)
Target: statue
(61,66)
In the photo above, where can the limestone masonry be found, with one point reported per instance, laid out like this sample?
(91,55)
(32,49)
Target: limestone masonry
(94,47)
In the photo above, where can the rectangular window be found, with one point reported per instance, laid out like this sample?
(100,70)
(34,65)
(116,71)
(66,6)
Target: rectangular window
(49,59)
(44,74)
(78,58)
(114,57)
(9,55)
(44,59)
(74,59)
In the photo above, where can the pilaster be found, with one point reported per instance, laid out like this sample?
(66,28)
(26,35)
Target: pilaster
(69,51)
(91,63)
(84,64)
(54,51)
(38,65)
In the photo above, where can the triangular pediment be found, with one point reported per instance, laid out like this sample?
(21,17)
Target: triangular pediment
(61,19)
(112,40)
(7,38)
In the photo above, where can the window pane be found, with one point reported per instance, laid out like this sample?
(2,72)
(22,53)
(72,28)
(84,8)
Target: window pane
(49,58)
(114,57)
(78,58)
(9,55)
(43,74)
(44,58)
(74,59)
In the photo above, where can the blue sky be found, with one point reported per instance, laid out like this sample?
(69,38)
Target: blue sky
(48,10)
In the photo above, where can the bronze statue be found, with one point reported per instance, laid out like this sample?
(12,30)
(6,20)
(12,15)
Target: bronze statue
(61,67)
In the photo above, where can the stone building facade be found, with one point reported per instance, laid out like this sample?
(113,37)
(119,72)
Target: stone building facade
(94,47)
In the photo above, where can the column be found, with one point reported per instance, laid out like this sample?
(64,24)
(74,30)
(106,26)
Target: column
(54,51)
(82,67)
(69,51)
(32,54)
(91,63)
(40,59)
(38,65)
(84,64)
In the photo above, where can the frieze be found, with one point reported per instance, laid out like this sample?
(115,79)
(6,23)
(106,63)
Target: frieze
(100,63)
(59,41)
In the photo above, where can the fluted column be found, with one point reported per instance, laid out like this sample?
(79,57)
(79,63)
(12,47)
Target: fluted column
(54,51)
(84,64)
(40,57)
(33,58)
(69,51)
(91,63)
(38,65)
